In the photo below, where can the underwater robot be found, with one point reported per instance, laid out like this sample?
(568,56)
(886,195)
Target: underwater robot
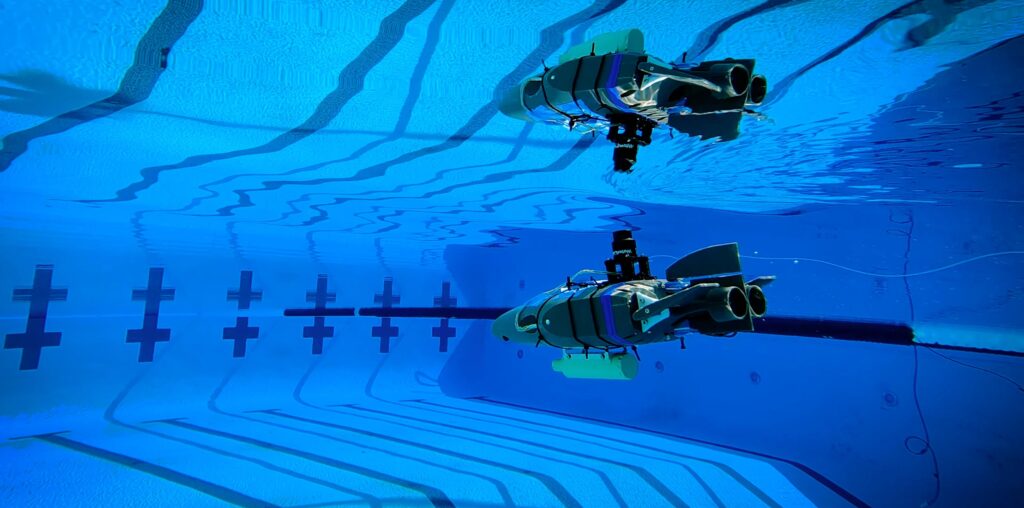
(610,85)
(600,323)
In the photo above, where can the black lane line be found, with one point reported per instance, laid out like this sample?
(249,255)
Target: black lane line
(559,164)
(898,334)
(498,485)
(549,482)
(448,312)
(136,85)
(707,488)
(350,82)
(399,131)
(110,415)
(386,501)
(642,473)
(507,238)
(329,311)
(404,117)
(341,131)
(436,496)
(569,499)
(418,73)
(834,487)
(363,497)
(708,37)
(551,39)
(223,493)
(459,209)
(517,147)
(779,91)
(969,349)
(418,312)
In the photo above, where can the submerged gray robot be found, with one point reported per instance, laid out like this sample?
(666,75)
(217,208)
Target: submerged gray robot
(610,85)
(600,323)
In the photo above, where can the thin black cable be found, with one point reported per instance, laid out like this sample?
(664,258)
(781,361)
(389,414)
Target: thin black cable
(544,91)
(927,438)
(994,373)
(909,233)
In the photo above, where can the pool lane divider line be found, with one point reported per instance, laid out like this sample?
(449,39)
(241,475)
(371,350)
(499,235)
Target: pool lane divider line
(436,497)
(211,489)
(549,482)
(834,487)
(855,330)
(499,486)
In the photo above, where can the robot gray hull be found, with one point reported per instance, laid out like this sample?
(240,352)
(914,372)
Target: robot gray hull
(594,92)
(633,313)
(627,93)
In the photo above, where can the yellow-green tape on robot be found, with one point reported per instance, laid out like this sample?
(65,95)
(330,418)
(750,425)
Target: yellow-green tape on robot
(597,366)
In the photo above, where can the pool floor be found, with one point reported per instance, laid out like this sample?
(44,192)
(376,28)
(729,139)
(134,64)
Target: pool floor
(431,452)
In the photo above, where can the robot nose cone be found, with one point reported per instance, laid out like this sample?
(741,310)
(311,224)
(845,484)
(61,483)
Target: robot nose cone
(512,103)
(504,327)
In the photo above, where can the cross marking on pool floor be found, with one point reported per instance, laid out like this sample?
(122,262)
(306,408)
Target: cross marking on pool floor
(35,337)
(385,332)
(151,333)
(320,298)
(240,333)
(245,295)
(444,331)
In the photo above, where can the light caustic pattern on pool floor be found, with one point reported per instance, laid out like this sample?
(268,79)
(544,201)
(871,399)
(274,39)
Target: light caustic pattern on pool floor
(434,452)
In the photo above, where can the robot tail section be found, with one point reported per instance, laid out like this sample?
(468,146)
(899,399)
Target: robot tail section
(625,41)
(736,302)
(597,323)
(610,84)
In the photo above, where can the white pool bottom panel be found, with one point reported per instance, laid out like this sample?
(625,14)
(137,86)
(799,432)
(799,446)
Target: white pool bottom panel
(433,452)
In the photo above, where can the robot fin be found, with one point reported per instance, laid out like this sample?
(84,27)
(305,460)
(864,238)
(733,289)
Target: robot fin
(724,126)
(625,41)
(762,281)
(709,261)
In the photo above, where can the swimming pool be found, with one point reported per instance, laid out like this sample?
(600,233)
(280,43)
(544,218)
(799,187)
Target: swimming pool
(175,175)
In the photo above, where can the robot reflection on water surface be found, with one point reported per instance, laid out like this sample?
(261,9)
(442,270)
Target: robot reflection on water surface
(601,322)
(609,84)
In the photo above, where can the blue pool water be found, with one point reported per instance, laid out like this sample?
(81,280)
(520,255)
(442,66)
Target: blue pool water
(174,176)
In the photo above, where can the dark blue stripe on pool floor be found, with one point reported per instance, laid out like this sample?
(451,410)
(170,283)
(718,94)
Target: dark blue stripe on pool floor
(552,37)
(364,498)
(549,482)
(641,472)
(436,496)
(498,485)
(217,491)
(136,86)
(841,492)
(350,82)
(708,37)
(779,91)
(707,488)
